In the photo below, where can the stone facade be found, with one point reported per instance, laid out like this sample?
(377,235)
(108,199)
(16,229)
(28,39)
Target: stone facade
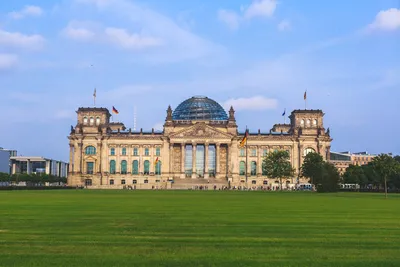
(106,155)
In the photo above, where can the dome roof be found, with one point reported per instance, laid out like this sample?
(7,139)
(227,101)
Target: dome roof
(199,108)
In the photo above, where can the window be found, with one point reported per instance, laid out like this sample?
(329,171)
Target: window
(123,151)
(265,152)
(265,182)
(308,122)
(242,168)
(264,171)
(254,152)
(242,152)
(90,150)
(88,182)
(85,120)
(158,151)
(112,151)
(146,151)
(111,181)
(146,181)
(98,121)
(315,122)
(134,182)
(123,181)
(302,122)
(253,168)
(146,167)
(135,151)
(308,150)
(254,182)
(124,167)
(89,167)
(91,121)
(112,166)
(135,167)
(158,168)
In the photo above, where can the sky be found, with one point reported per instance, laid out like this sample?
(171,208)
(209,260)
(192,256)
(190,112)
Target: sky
(258,56)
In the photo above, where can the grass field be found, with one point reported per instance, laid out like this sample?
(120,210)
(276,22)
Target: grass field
(198,228)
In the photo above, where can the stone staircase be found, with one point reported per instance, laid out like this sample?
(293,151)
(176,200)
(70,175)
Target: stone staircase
(189,183)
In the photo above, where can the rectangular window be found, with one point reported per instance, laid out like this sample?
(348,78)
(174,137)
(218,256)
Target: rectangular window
(254,152)
(123,181)
(89,167)
(158,151)
(135,151)
(111,182)
(123,151)
(112,151)
(265,152)
(146,152)
(242,152)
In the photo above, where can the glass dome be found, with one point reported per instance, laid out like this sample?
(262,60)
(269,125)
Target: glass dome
(199,108)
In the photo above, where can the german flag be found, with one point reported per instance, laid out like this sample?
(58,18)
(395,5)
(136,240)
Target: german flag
(157,160)
(243,142)
(114,110)
(305,95)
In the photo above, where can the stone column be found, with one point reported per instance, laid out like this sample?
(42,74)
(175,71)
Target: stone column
(141,167)
(28,166)
(183,156)
(206,176)
(194,174)
(171,159)
(118,161)
(80,158)
(14,168)
(71,158)
(99,158)
(152,159)
(259,161)
(217,158)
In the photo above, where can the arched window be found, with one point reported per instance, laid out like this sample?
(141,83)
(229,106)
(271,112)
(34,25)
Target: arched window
(90,150)
(98,121)
(91,121)
(265,182)
(253,168)
(158,168)
(111,181)
(302,122)
(123,151)
(112,166)
(242,168)
(124,167)
(135,167)
(112,151)
(134,182)
(254,182)
(85,120)
(308,122)
(146,167)
(315,122)
(123,181)
(308,150)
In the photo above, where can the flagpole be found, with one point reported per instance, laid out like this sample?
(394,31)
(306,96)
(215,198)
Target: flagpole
(305,100)
(247,158)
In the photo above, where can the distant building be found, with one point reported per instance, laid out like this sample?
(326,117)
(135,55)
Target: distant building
(37,165)
(5,155)
(342,160)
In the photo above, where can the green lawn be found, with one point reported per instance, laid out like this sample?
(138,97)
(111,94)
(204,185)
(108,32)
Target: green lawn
(198,228)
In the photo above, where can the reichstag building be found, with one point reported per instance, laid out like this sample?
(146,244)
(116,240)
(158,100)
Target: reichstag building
(200,144)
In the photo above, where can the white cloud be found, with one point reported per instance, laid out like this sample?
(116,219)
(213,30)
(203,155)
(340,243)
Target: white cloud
(386,20)
(178,43)
(258,8)
(33,11)
(252,103)
(230,18)
(19,40)
(8,61)
(122,38)
(284,25)
(78,33)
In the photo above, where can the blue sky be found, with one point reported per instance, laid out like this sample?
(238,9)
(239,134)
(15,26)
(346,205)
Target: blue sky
(260,56)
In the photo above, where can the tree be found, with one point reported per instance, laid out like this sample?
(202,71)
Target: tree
(355,175)
(312,167)
(4,177)
(324,176)
(386,166)
(277,165)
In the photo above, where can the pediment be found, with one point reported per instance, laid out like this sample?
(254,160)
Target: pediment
(201,130)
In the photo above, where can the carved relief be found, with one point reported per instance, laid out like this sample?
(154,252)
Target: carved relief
(177,159)
(223,159)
